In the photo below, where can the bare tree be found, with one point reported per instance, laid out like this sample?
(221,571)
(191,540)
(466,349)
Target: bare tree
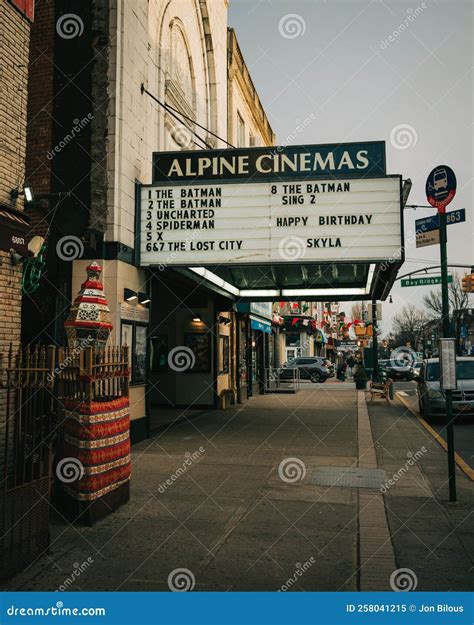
(458,300)
(407,325)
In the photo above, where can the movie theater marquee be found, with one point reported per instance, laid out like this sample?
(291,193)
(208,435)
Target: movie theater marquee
(270,205)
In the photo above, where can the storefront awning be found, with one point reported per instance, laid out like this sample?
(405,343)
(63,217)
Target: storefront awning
(337,281)
(260,324)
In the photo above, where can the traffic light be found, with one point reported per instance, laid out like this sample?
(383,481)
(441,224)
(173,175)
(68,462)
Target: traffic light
(468,283)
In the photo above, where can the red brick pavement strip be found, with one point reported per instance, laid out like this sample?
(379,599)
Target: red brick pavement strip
(376,554)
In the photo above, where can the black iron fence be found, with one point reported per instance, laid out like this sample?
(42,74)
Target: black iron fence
(35,384)
(27,414)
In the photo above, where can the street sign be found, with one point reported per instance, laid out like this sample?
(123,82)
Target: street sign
(424,239)
(427,228)
(427,224)
(441,187)
(424,281)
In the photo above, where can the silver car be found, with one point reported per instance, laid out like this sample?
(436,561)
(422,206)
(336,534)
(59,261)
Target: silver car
(431,398)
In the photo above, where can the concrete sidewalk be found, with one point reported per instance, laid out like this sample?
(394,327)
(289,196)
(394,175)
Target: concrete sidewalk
(227,501)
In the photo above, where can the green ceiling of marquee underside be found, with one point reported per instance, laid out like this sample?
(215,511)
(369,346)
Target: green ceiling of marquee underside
(295,276)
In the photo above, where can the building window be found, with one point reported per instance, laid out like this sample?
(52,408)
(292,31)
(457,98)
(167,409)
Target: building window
(253,141)
(240,132)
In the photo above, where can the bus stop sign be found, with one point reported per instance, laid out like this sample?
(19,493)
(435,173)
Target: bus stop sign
(441,187)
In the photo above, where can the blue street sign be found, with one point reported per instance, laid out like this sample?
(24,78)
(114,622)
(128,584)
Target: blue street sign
(427,224)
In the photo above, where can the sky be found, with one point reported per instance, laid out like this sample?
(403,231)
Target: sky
(358,70)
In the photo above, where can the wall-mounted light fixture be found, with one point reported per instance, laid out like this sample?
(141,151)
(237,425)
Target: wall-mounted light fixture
(129,295)
(27,192)
(196,318)
(143,298)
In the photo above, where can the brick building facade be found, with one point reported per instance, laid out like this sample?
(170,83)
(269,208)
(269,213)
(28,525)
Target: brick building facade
(14,52)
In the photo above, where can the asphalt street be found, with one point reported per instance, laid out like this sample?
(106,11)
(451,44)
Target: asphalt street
(463,428)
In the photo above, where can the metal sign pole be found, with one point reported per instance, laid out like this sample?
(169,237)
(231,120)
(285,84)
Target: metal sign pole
(446,333)
(375,374)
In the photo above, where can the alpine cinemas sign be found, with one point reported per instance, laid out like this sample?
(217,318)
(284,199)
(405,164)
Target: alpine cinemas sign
(320,204)
(321,161)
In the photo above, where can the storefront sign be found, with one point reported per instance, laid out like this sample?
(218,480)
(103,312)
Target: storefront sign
(258,324)
(263,309)
(334,160)
(311,220)
(134,312)
(14,230)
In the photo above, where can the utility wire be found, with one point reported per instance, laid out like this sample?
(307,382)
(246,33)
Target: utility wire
(172,111)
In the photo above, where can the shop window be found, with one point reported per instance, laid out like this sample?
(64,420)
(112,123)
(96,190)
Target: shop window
(134,335)
(224,355)
(200,344)
(159,353)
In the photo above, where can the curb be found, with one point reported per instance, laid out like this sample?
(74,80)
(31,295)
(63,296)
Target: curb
(462,464)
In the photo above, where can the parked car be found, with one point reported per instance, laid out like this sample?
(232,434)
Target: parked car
(431,399)
(415,369)
(397,370)
(310,368)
